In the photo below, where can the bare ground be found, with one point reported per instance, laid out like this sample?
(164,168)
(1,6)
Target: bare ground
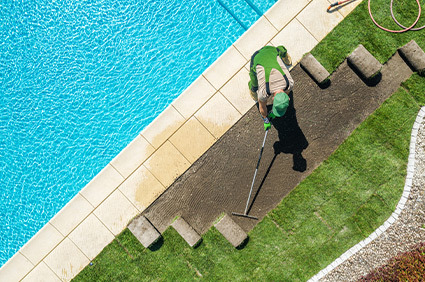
(317,122)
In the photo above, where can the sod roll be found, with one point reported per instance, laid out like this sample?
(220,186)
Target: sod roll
(414,56)
(314,68)
(364,62)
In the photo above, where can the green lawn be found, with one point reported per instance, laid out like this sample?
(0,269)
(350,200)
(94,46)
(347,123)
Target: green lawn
(357,28)
(338,205)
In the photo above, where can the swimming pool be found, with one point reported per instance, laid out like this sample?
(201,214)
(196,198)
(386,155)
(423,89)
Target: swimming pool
(80,79)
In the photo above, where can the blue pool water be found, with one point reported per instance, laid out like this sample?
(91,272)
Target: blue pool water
(80,79)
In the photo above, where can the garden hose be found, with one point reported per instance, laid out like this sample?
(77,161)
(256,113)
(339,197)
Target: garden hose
(336,4)
(399,24)
(392,15)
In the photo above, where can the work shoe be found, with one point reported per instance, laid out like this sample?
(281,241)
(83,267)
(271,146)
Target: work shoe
(287,60)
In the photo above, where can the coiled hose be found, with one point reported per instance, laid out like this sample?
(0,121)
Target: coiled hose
(392,15)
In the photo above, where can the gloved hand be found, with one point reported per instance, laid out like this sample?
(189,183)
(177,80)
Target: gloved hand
(271,115)
(267,124)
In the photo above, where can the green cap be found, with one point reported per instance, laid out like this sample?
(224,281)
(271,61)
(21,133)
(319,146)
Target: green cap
(280,104)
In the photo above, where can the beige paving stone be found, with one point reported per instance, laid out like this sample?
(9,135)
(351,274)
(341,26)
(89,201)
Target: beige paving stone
(142,188)
(218,115)
(247,65)
(91,236)
(194,97)
(66,260)
(296,39)
(192,139)
(41,273)
(72,214)
(167,163)
(284,11)
(116,212)
(255,37)
(42,243)
(224,67)
(132,156)
(158,131)
(15,268)
(314,14)
(102,185)
(237,91)
(346,8)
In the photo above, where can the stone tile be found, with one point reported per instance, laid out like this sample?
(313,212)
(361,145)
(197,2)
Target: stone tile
(284,11)
(167,164)
(15,268)
(42,243)
(296,39)
(41,273)
(142,188)
(247,65)
(192,139)
(261,32)
(116,212)
(102,185)
(71,215)
(346,8)
(218,115)
(237,91)
(66,260)
(317,20)
(91,236)
(158,131)
(194,97)
(224,67)
(144,231)
(132,156)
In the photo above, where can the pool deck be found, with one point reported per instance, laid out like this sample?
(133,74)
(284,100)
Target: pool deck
(165,149)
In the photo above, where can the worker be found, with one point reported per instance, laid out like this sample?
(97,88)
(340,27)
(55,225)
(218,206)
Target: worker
(270,81)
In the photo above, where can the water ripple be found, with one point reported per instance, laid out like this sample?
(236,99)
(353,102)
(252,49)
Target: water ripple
(80,79)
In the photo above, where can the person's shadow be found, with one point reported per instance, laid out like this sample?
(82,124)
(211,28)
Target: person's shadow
(291,141)
(291,138)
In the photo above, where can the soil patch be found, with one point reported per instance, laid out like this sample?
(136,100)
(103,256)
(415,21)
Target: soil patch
(316,123)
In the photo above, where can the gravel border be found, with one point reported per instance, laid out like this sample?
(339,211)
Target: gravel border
(402,230)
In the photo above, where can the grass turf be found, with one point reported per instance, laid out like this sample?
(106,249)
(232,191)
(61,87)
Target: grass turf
(339,204)
(357,28)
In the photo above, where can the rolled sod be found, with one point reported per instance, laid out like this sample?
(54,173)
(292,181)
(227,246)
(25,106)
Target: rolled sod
(314,68)
(144,231)
(186,231)
(231,231)
(364,62)
(414,56)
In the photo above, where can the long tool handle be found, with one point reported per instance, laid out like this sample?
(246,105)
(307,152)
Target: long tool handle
(255,174)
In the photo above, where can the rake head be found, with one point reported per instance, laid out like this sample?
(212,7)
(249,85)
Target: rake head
(244,215)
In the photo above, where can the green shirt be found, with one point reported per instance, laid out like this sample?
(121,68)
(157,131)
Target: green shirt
(266,57)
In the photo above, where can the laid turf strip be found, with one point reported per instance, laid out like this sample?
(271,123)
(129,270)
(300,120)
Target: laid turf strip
(338,205)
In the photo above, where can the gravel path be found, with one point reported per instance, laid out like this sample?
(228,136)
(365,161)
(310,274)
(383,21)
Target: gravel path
(407,231)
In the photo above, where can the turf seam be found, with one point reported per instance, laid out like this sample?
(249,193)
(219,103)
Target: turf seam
(280,227)
(124,248)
